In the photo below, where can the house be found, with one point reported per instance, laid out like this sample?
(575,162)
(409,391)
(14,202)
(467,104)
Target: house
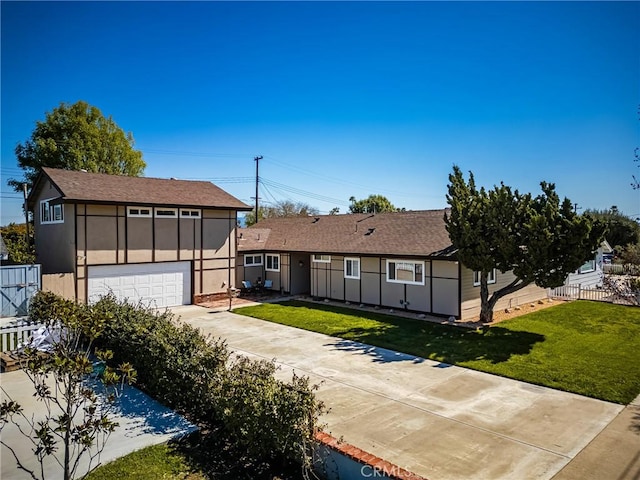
(591,274)
(162,241)
(401,260)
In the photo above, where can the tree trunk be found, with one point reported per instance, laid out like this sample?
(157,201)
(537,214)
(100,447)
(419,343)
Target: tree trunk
(487,304)
(486,307)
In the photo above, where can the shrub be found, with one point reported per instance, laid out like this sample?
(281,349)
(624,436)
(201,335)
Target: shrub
(176,363)
(270,418)
(194,374)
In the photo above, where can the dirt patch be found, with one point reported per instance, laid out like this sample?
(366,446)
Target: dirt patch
(500,315)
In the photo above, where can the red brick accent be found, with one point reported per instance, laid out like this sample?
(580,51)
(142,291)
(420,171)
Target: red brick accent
(389,469)
(210,297)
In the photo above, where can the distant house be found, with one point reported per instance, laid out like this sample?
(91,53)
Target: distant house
(161,241)
(401,260)
(591,274)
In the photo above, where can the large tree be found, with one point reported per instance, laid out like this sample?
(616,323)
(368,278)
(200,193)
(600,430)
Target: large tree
(283,208)
(77,137)
(371,204)
(621,230)
(540,239)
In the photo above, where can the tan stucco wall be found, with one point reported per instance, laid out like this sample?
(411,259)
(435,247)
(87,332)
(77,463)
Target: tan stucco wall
(106,236)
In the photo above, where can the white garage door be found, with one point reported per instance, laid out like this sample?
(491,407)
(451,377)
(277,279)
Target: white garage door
(155,284)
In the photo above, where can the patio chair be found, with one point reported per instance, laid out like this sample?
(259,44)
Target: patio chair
(268,284)
(247,287)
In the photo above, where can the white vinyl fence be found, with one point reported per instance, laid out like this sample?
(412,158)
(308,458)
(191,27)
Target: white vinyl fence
(16,334)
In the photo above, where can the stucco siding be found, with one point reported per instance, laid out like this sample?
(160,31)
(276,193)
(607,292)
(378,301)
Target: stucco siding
(101,239)
(418,297)
(139,240)
(370,288)
(392,293)
(444,269)
(55,242)
(445,296)
(352,290)
(189,232)
(216,240)
(337,279)
(166,239)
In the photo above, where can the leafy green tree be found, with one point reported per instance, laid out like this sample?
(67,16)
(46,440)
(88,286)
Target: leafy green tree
(284,208)
(77,137)
(540,239)
(621,230)
(76,419)
(21,250)
(371,204)
(630,254)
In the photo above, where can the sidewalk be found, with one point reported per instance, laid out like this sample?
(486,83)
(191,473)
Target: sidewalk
(613,454)
(439,421)
(143,422)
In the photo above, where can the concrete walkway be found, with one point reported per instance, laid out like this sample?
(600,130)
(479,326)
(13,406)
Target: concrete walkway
(439,421)
(142,422)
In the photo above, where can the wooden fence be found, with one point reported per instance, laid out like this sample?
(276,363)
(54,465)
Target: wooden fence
(16,334)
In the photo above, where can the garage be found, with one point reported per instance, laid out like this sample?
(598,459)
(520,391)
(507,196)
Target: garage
(155,284)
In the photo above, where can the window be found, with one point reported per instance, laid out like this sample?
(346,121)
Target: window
(166,212)
(322,258)
(590,266)
(491,278)
(186,213)
(51,213)
(352,268)
(272,262)
(252,260)
(405,271)
(138,212)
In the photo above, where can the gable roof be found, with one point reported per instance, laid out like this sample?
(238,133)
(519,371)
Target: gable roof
(77,186)
(413,233)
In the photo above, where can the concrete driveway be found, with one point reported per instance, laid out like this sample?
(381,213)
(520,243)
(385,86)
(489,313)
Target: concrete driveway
(143,422)
(439,421)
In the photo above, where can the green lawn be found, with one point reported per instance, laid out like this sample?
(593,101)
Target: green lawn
(151,463)
(589,348)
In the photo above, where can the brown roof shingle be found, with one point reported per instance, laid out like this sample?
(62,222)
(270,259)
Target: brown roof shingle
(102,188)
(413,233)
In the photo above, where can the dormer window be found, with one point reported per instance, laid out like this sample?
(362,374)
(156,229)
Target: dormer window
(51,213)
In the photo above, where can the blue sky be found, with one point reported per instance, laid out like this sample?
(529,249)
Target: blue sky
(342,98)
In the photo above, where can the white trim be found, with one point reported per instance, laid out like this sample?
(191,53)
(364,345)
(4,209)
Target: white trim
(48,211)
(317,258)
(417,265)
(272,256)
(163,212)
(355,268)
(144,212)
(187,213)
(254,257)
(590,268)
(491,278)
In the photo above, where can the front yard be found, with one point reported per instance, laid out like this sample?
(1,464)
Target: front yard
(589,348)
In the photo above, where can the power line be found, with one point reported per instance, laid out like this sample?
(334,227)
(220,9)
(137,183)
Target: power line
(303,193)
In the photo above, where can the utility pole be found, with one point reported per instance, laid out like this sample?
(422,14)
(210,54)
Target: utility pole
(257,159)
(26,214)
